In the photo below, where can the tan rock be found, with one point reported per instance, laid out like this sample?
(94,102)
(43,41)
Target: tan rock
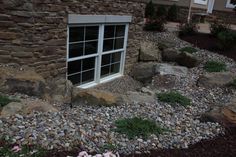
(149,51)
(12,109)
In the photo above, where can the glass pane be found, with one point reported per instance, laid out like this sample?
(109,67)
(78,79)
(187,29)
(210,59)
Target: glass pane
(75,79)
(120,31)
(116,57)
(76,34)
(108,45)
(106,59)
(109,32)
(74,67)
(91,47)
(88,76)
(105,71)
(76,50)
(88,63)
(115,68)
(119,43)
(91,33)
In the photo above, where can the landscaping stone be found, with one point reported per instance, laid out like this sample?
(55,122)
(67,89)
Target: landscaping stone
(187,60)
(143,72)
(11,109)
(170,55)
(137,97)
(149,52)
(166,69)
(217,79)
(95,97)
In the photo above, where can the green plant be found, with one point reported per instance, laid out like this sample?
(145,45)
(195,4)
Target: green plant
(188,49)
(218,26)
(187,28)
(149,10)
(172,14)
(161,12)
(174,98)
(155,25)
(137,127)
(227,39)
(215,66)
(4,100)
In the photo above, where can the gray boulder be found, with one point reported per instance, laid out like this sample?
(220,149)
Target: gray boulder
(166,69)
(12,109)
(149,51)
(187,60)
(170,55)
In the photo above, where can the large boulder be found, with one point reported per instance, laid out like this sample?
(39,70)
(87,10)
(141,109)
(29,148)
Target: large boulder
(217,79)
(170,55)
(223,114)
(167,69)
(187,60)
(21,80)
(95,97)
(149,51)
(138,97)
(143,72)
(11,109)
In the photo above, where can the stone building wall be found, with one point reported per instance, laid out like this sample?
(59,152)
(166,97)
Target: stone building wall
(34,32)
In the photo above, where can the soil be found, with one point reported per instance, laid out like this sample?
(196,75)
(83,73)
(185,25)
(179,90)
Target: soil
(209,42)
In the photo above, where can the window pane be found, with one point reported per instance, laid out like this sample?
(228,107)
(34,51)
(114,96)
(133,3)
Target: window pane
(109,32)
(108,45)
(76,50)
(74,67)
(106,59)
(105,71)
(88,76)
(115,68)
(115,57)
(75,79)
(120,31)
(91,47)
(88,63)
(119,43)
(76,34)
(91,33)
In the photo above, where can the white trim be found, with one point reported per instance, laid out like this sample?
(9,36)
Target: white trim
(229,4)
(202,2)
(91,19)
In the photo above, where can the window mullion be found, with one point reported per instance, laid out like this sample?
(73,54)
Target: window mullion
(100,48)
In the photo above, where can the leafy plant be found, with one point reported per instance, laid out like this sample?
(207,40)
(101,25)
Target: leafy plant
(172,14)
(218,26)
(155,25)
(187,28)
(227,39)
(174,98)
(215,66)
(4,100)
(139,127)
(149,10)
(188,49)
(161,12)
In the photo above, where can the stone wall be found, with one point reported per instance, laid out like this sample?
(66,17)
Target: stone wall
(34,32)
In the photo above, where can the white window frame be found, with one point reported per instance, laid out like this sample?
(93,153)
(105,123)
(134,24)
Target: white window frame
(202,2)
(229,4)
(101,21)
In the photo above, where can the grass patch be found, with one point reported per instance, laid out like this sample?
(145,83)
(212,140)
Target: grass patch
(137,127)
(174,98)
(215,66)
(188,49)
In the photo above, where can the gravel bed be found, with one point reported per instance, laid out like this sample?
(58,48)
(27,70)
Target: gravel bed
(91,127)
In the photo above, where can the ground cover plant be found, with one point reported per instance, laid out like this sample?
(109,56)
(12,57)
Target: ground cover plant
(137,127)
(215,66)
(4,100)
(188,49)
(174,97)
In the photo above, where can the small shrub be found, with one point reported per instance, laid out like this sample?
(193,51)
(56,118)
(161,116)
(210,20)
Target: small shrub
(216,27)
(215,66)
(188,49)
(172,14)
(161,12)
(227,39)
(139,127)
(155,25)
(174,98)
(149,10)
(187,28)
(4,100)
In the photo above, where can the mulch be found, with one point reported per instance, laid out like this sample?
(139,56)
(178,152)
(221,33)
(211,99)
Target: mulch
(209,42)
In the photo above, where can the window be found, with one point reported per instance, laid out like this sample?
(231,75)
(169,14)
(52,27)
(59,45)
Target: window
(96,52)
(203,2)
(229,4)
